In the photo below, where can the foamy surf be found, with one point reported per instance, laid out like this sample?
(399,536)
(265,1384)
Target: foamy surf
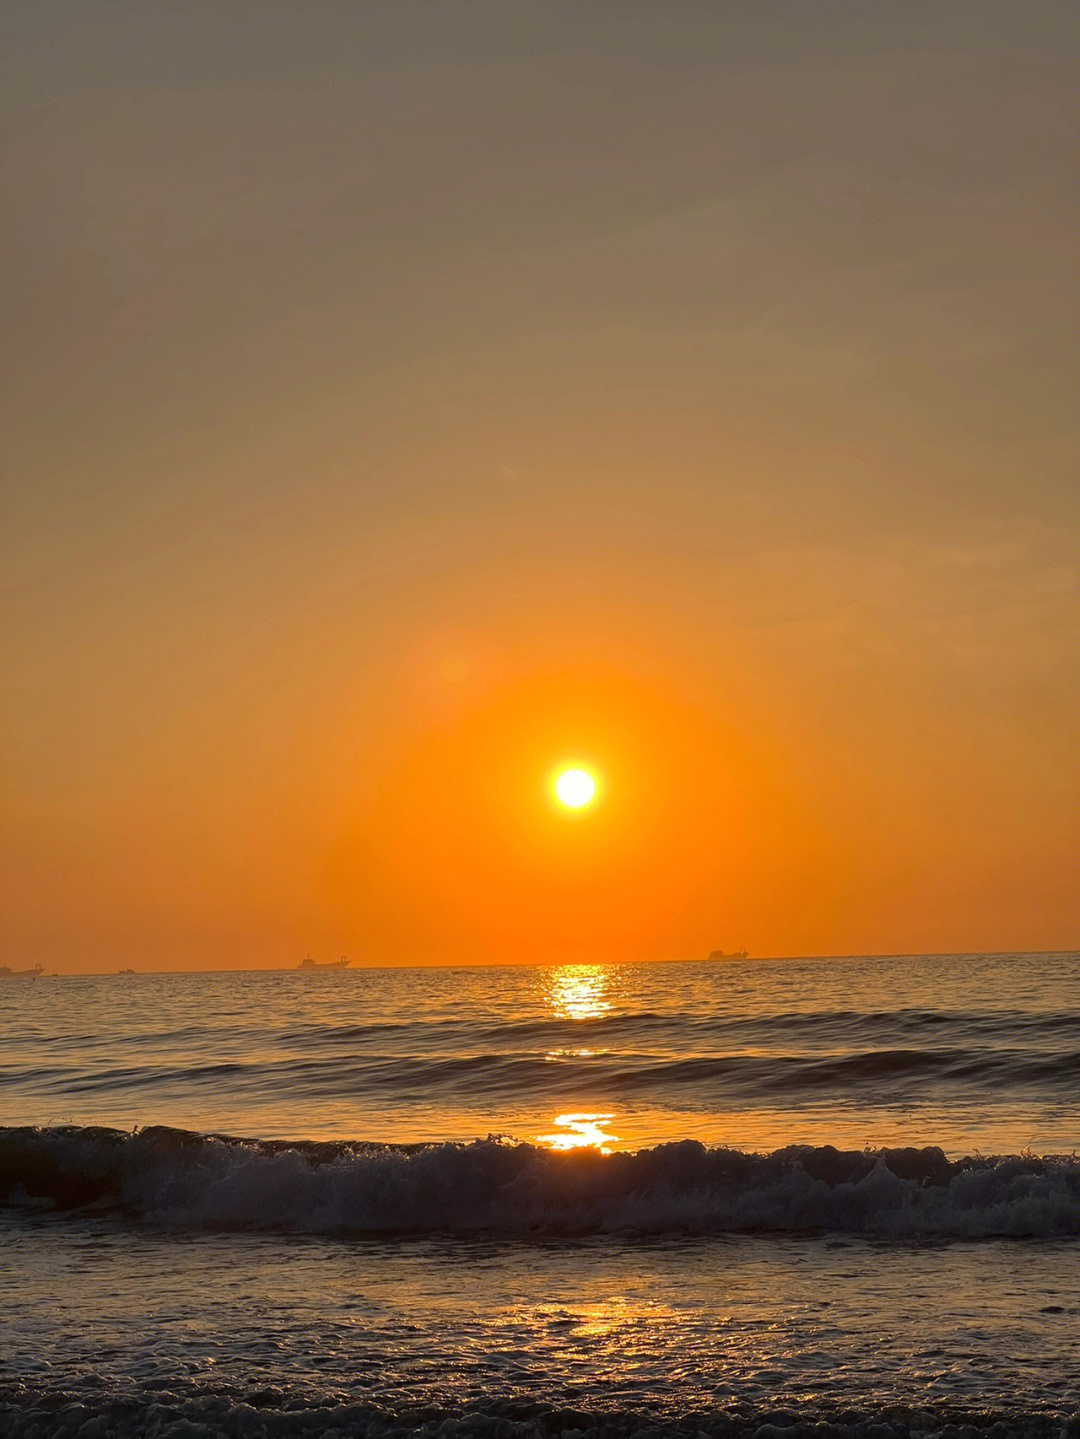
(219,1419)
(184,1179)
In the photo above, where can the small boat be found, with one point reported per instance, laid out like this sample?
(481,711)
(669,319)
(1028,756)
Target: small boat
(310,963)
(735,954)
(7,973)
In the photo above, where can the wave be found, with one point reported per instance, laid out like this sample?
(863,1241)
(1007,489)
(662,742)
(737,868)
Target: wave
(187,1180)
(903,1074)
(870,1028)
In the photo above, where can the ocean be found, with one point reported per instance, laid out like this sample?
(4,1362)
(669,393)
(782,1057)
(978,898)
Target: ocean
(837,1197)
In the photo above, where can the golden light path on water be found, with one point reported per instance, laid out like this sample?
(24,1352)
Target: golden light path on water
(578,992)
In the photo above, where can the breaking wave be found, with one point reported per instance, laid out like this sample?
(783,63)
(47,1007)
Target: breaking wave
(187,1180)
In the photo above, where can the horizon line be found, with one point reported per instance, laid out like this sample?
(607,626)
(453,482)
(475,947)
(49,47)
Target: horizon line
(565,964)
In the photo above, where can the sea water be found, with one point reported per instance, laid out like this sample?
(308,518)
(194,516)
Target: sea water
(770,1197)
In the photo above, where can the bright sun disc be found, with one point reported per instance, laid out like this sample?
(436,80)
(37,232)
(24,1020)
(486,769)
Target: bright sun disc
(575,787)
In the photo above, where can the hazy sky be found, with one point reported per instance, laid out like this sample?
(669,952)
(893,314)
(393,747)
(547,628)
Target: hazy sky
(403,398)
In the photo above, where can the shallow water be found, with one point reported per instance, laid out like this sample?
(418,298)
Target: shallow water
(673,1324)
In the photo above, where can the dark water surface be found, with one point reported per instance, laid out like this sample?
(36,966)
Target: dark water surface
(966,1052)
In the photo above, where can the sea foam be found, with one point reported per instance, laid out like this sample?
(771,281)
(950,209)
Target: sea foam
(183,1179)
(167,1418)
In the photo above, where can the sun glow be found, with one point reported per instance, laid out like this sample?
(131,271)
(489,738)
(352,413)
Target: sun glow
(575,787)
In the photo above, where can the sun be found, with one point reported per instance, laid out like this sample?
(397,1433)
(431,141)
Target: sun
(575,787)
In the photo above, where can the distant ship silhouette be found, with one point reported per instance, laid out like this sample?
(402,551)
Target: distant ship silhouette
(735,954)
(7,973)
(310,963)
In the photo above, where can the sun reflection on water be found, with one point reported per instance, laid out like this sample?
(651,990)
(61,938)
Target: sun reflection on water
(580,1131)
(578,991)
(616,1316)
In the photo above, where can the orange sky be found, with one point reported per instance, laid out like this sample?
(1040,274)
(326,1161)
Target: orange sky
(406,398)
